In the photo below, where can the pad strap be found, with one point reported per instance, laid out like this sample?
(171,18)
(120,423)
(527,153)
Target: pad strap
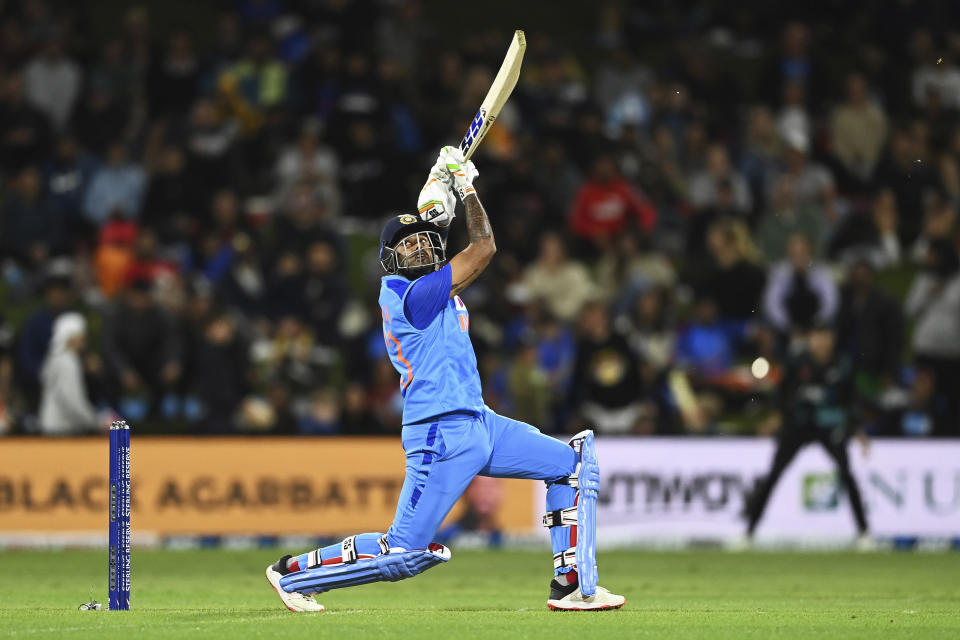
(567,558)
(348,550)
(560,518)
(571,480)
(382,541)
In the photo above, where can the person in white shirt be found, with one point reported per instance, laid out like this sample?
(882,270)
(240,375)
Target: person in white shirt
(65,408)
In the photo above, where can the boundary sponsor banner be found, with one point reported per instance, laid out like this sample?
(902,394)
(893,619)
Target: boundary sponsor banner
(661,488)
(219,486)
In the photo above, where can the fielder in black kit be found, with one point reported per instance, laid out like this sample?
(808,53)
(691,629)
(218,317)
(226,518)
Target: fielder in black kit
(816,405)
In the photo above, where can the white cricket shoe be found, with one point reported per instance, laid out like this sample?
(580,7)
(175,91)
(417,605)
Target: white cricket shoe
(294,601)
(568,598)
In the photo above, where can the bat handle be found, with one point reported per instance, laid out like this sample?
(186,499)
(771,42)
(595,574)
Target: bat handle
(469,149)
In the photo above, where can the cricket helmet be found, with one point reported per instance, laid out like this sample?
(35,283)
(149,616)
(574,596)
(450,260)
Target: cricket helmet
(429,238)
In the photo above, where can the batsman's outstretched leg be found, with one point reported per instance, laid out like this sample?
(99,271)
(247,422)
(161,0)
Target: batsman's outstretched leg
(359,559)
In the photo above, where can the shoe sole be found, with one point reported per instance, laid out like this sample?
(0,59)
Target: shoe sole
(603,607)
(283,600)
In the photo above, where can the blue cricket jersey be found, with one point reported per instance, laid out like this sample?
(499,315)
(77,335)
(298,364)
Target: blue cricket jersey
(427,338)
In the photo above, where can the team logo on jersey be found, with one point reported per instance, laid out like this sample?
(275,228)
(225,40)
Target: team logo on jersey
(407,219)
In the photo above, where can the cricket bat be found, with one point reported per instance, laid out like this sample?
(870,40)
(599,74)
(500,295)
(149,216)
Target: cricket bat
(497,96)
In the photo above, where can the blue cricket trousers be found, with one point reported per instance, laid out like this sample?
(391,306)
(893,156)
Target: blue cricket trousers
(443,457)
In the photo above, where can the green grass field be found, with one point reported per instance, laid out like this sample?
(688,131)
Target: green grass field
(482,594)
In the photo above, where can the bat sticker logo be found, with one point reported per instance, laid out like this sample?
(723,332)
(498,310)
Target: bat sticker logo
(475,127)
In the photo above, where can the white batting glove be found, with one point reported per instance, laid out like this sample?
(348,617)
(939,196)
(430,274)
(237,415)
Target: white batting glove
(436,203)
(463,172)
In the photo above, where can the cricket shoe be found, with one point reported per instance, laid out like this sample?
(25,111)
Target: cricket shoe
(293,600)
(567,597)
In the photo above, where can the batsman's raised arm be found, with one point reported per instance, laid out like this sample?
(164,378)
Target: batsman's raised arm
(467,265)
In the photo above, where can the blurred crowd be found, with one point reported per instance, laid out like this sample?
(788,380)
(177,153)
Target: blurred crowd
(696,211)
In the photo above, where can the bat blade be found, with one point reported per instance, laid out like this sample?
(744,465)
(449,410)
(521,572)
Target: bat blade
(497,96)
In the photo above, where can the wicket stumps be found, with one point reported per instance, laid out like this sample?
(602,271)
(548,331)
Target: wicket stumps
(119,563)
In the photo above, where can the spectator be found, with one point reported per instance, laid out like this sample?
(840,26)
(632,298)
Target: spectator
(147,263)
(706,186)
(707,348)
(605,204)
(322,414)
(875,237)
(114,256)
(260,78)
(650,332)
(813,184)
(305,217)
(117,188)
(65,408)
(762,156)
(358,417)
(558,177)
(733,279)
(606,387)
(243,288)
(785,219)
(141,348)
(563,284)
(859,128)
(912,183)
(870,330)
(324,292)
(307,161)
(629,266)
(800,292)
(171,197)
(24,129)
(101,119)
(939,224)
(66,177)
(938,76)
(368,188)
(793,119)
(661,175)
(933,304)
(529,385)
(917,417)
(114,75)
(35,334)
(52,82)
(174,79)
(795,63)
(221,375)
(212,159)
(31,231)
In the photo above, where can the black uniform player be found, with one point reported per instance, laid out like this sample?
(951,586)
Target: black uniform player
(816,405)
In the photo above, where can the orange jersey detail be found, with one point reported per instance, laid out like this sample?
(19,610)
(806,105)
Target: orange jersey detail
(403,361)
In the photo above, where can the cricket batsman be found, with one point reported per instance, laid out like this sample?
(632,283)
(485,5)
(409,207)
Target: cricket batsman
(449,434)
